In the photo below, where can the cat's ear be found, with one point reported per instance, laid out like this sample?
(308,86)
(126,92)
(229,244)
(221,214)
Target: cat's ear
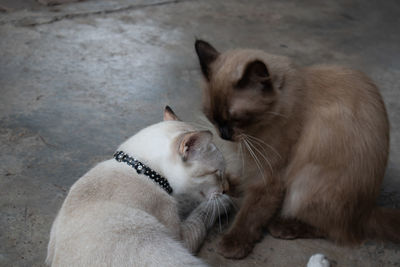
(169,114)
(207,55)
(256,74)
(193,144)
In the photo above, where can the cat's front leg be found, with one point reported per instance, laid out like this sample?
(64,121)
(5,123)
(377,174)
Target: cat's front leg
(259,206)
(194,228)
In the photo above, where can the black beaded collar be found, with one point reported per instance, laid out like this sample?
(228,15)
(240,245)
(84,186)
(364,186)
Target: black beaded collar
(140,168)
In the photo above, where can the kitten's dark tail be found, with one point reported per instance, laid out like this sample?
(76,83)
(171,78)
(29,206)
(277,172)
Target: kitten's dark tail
(384,224)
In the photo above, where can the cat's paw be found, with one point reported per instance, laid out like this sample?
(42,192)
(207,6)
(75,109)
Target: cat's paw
(282,232)
(318,260)
(233,247)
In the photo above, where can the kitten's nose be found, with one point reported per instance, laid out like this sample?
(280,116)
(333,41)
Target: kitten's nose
(225,132)
(225,187)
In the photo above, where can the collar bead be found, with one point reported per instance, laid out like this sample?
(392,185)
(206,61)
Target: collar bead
(140,168)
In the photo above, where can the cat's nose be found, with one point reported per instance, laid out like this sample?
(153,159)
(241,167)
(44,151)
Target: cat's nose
(225,132)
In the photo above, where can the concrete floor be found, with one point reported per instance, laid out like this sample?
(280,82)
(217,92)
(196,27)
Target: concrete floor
(77,79)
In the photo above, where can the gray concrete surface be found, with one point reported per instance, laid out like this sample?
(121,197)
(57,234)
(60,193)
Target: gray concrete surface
(77,79)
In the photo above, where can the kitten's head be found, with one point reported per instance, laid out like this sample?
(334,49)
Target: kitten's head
(185,156)
(240,92)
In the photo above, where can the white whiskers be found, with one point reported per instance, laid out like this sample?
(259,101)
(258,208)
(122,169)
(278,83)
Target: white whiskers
(255,158)
(241,154)
(262,155)
(208,207)
(219,213)
(257,149)
(216,209)
(230,201)
(261,142)
(226,212)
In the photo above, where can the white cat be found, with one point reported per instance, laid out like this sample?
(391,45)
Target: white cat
(122,213)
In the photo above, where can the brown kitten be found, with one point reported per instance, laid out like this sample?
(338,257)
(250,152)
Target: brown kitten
(321,138)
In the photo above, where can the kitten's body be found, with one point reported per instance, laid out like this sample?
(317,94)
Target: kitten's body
(321,136)
(113,216)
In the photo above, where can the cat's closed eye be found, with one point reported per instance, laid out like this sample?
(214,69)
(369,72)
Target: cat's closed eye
(241,119)
(238,119)
(208,173)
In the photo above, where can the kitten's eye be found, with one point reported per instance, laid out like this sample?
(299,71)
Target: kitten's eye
(242,119)
(209,173)
(236,121)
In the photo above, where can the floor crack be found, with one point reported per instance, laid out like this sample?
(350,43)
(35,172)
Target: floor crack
(91,13)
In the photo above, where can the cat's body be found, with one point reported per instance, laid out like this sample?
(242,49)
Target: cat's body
(114,216)
(321,136)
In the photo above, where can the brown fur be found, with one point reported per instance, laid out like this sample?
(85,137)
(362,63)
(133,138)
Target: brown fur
(325,133)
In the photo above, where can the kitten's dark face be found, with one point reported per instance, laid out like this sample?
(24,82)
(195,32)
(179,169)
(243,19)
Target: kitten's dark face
(238,93)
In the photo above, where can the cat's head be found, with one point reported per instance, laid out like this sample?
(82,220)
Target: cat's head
(242,90)
(184,155)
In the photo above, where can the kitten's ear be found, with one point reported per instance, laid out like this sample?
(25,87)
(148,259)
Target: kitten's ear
(207,55)
(256,74)
(193,144)
(169,114)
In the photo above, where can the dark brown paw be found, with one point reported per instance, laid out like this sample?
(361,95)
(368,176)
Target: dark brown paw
(234,247)
(292,229)
(282,232)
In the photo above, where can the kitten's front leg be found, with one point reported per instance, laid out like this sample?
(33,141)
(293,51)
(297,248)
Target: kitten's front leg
(260,204)
(201,219)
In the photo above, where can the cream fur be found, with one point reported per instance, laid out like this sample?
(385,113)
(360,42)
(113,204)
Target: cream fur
(114,217)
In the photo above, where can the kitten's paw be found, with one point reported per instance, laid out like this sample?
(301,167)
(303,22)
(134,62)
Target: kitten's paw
(281,232)
(233,247)
(318,260)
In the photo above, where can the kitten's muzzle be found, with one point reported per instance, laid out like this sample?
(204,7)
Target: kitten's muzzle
(226,132)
